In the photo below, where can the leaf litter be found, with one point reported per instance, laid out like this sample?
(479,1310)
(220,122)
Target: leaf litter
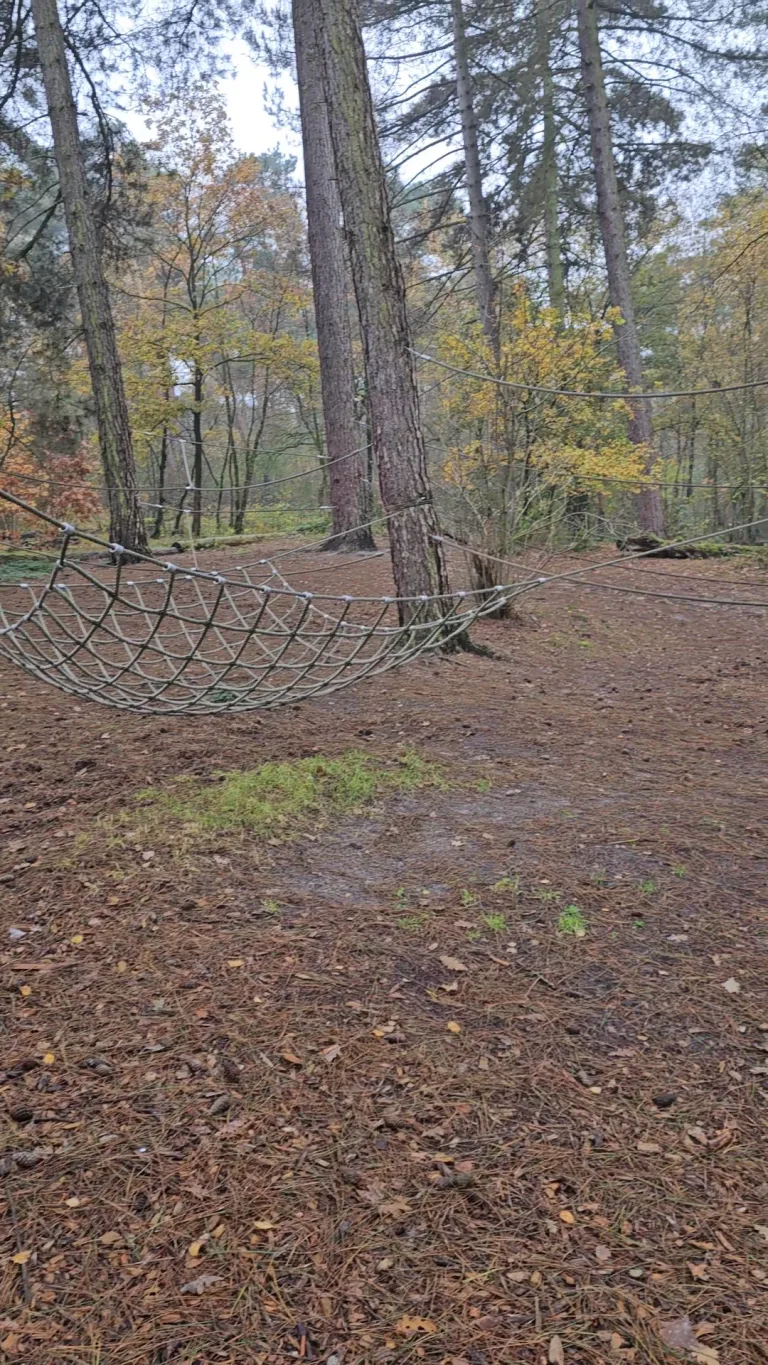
(364,1168)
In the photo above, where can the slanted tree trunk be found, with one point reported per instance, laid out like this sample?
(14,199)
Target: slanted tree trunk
(348,478)
(649,508)
(418,559)
(125,517)
(478,209)
(555,280)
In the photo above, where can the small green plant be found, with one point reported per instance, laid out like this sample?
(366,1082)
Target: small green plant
(545,895)
(507,885)
(467,897)
(648,887)
(572,921)
(638,922)
(270,906)
(474,934)
(411,922)
(679,870)
(496,922)
(599,878)
(76,847)
(483,784)
(401,896)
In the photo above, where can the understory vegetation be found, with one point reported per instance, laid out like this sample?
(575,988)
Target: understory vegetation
(280,800)
(382,905)
(206,256)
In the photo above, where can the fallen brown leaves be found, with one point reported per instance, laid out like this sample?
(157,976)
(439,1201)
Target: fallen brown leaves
(325,1134)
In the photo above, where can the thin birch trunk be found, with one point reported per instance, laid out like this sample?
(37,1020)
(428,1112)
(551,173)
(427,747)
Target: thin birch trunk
(197,453)
(251,453)
(163,465)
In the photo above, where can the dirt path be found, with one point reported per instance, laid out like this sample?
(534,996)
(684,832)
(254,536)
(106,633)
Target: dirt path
(248,1067)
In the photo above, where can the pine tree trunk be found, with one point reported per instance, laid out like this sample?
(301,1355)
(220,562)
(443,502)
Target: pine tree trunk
(484,571)
(348,478)
(478,209)
(555,281)
(126,521)
(649,508)
(418,560)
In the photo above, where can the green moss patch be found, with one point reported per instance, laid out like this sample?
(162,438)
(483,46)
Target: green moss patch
(280,800)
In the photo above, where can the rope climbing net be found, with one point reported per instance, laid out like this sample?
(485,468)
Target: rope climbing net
(160,638)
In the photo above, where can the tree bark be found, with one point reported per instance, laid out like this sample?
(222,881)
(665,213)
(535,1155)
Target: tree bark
(126,521)
(648,503)
(162,466)
(555,280)
(197,452)
(418,559)
(484,571)
(350,501)
(479,225)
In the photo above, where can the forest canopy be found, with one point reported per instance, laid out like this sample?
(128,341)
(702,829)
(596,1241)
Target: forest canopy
(530,253)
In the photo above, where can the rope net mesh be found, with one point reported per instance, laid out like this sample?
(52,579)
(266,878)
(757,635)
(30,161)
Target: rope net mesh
(159,639)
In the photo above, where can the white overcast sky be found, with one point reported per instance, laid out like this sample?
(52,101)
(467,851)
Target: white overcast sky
(252,127)
(243,88)
(246,88)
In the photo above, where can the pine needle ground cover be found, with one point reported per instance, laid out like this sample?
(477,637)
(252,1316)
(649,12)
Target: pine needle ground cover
(472,1068)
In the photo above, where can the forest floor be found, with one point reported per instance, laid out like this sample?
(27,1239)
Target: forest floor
(476,1074)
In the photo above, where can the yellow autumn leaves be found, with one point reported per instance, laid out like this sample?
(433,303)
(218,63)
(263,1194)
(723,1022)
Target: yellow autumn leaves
(213,313)
(574,443)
